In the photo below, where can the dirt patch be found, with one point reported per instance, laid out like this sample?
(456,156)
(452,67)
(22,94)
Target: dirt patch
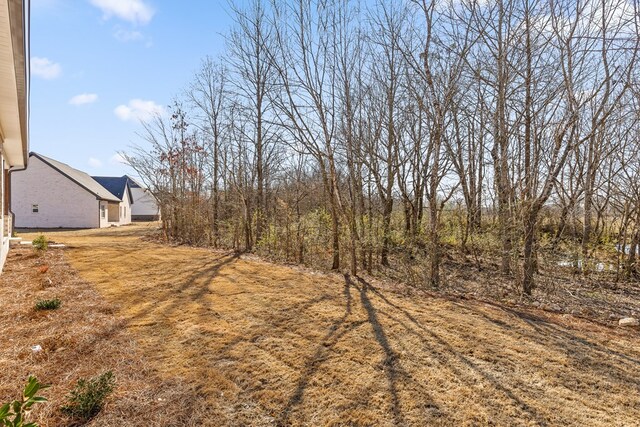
(83,338)
(264,344)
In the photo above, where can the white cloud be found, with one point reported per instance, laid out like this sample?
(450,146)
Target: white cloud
(134,11)
(83,98)
(138,109)
(45,68)
(94,163)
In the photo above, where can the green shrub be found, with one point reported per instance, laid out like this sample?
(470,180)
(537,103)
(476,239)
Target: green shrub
(48,304)
(87,398)
(14,414)
(40,244)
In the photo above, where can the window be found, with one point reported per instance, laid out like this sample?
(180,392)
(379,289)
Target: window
(34,208)
(103,211)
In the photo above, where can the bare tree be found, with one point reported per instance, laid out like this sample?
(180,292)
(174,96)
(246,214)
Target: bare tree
(208,95)
(307,104)
(249,44)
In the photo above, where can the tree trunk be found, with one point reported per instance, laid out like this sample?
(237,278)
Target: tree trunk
(504,219)
(260,212)
(386,229)
(216,197)
(335,232)
(434,244)
(248,245)
(588,219)
(529,262)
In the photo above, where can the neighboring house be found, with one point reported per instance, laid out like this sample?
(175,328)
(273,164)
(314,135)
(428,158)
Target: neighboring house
(119,187)
(145,206)
(51,194)
(14,108)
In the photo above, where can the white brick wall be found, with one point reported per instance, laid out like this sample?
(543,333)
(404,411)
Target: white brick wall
(61,202)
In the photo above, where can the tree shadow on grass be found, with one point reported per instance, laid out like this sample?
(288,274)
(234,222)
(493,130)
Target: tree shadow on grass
(200,277)
(338,329)
(573,346)
(553,333)
(448,353)
(390,363)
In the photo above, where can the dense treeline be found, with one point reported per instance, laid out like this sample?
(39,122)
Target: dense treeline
(362,134)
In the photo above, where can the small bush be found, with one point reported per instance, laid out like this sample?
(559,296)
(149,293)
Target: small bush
(87,398)
(40,244)
(18,409)
(48,304)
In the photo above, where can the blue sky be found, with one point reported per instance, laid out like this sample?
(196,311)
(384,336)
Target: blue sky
(97,66)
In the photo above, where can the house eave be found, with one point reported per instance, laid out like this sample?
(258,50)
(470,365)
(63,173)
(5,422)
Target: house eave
(102,199)
(14,81)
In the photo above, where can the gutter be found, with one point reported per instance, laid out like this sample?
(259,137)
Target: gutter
(27,47)
(20,41)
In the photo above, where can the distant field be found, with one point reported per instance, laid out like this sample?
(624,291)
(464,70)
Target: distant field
(247,342)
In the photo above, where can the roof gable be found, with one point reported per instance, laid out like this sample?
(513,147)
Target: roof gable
(115,184)
(132,182)
(79,177)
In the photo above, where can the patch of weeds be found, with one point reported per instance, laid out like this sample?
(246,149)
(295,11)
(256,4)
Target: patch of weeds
(14,414)
(88,396)
(40,244)
(48,304)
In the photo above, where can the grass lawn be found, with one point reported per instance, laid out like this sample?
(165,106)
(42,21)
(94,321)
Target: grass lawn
(210,338)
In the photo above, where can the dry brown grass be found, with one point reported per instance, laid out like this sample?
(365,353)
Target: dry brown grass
(82,338)
(262,344)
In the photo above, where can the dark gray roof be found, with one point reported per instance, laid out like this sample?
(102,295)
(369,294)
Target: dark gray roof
(80,178)
(115,184)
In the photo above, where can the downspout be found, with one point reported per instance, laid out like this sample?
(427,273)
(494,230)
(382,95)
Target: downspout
(13,216)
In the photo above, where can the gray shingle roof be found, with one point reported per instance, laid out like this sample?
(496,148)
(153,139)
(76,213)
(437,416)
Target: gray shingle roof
(80,178)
